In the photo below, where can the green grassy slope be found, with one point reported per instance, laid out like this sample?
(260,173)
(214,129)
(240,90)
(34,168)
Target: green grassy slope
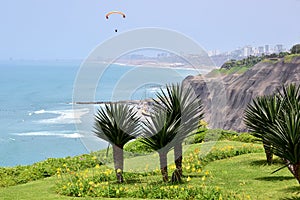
(247,175)
(250,175)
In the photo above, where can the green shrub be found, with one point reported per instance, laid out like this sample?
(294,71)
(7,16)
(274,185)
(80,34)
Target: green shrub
(290,58)
(246,137)
(137,147)
(230,151)
(22,174)
(219,134)
(295,49)
(199,137)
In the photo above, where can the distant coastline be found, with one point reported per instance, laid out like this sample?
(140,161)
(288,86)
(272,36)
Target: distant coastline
(162,65)
(143,107)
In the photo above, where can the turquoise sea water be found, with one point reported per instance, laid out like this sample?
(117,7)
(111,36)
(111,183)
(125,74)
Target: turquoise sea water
(36,112)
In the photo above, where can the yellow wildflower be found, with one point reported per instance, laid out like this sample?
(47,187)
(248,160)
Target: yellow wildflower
(119,170)
(91,183)
(188,179)
(172,167)
(97,166)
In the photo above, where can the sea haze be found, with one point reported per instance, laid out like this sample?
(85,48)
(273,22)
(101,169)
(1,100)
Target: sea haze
(37,117)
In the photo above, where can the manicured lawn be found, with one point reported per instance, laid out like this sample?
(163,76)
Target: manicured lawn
(37,190)
(151,161)
(250,175)
(246,175)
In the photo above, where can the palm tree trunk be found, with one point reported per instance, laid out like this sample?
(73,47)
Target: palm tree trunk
(268,152)
(295,170)
(118,162)
(178,157)
(163,166)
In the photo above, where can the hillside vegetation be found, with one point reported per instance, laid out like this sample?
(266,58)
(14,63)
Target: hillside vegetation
(240,66)
(226,174)
(212,170)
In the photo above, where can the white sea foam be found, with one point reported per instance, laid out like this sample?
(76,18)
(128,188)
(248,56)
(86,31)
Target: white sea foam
(40,112)
(64,116)
(46,133)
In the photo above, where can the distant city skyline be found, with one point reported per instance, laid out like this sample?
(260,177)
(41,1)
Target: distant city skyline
(53,29)
(248,50)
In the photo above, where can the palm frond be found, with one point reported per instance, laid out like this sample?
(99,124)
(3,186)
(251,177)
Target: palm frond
(276,120)
(181,104)
(117,123)
(159,133)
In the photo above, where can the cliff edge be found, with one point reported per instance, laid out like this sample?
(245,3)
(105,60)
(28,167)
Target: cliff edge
(226,97)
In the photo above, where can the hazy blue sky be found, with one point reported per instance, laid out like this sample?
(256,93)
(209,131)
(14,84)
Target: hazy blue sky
(47,29)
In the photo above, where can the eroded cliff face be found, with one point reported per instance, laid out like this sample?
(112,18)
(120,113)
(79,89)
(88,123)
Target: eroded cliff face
(226,97)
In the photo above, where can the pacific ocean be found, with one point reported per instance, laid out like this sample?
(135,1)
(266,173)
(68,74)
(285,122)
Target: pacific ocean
(36,111)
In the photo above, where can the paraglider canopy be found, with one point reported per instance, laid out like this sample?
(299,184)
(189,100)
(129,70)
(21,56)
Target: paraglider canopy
(115,12)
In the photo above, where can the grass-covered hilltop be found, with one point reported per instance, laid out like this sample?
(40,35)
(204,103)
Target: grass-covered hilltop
(240,66)
(186,146)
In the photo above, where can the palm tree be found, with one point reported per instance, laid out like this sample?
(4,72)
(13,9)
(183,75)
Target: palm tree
(117,124)
(182,106)
(285,132)
(278,124)
(159,132)
(263,111)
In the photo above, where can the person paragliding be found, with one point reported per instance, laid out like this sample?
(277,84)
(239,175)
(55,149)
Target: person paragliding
(115,12)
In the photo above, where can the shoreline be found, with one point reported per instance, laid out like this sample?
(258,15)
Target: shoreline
(175,66)
(113,102)
(143,107)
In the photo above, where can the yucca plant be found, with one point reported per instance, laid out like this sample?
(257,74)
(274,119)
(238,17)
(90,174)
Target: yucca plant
(184,107)
(276,119)
(285,132)
(117,124)
(158,134)
(259,115)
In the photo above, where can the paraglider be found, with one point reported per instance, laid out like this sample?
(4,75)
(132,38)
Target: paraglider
(115,12)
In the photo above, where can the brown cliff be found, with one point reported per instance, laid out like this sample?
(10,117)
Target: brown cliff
(225,97)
